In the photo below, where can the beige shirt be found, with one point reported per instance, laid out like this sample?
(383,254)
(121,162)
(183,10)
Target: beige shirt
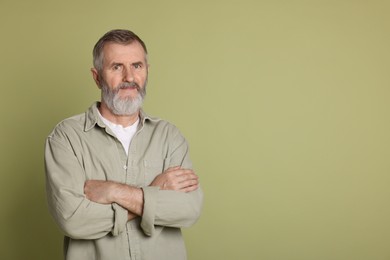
(82,148)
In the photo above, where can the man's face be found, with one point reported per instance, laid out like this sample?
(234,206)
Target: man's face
(123,77)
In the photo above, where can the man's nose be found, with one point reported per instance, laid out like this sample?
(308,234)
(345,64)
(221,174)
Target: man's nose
(128,75)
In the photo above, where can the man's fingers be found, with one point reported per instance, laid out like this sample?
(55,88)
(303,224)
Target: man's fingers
(190,183)
(190,188)
(183,172)
(188,178)
(178,179)
(183,176)
(171,169)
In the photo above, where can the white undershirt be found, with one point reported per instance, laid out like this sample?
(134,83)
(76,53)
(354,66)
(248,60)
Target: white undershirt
(124,134)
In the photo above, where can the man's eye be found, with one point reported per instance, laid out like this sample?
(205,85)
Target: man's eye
(116,67)
(137,66)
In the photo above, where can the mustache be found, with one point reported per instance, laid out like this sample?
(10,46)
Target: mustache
(123,85)
(131,84)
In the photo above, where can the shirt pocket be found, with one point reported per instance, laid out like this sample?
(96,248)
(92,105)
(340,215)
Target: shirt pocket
(152,168)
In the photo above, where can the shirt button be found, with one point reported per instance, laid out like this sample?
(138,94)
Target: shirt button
(125,167)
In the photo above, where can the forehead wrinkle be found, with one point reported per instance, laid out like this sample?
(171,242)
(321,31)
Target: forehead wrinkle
(124,55)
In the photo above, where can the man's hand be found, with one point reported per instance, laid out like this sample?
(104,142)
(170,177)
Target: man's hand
(177,179)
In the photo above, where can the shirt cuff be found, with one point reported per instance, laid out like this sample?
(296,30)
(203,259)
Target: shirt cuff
(120,219)
(149,212)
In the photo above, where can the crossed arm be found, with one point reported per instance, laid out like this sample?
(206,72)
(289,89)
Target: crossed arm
(131,198)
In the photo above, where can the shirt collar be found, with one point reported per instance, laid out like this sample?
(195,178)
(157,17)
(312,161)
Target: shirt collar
(92,118)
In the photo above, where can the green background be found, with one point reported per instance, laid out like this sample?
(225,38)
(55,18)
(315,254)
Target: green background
(285,105)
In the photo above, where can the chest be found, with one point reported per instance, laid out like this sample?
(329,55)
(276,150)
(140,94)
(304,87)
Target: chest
(103,157)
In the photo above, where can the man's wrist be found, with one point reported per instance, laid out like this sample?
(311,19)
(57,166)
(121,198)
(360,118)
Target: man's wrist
(128,197)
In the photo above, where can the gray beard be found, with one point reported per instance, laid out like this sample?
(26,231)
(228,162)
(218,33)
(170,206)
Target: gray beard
(123,106)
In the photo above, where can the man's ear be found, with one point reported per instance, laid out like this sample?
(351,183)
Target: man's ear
(96,77)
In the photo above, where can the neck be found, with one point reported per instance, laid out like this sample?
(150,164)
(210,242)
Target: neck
(123,120)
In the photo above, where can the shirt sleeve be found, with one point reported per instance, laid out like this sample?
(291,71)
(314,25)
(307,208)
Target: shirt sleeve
(78,217)
(172,208)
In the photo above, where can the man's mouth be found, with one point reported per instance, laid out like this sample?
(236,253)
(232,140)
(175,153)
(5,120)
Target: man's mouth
(128,88)
(131,85)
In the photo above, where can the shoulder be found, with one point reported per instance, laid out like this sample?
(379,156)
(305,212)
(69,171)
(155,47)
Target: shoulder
(160,129)
(69,126)
(160,125)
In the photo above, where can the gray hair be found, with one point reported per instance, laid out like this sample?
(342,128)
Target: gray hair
(117,36)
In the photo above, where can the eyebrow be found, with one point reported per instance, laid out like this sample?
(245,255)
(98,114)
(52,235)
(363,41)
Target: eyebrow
(116,63)
(138,63)
(120,63)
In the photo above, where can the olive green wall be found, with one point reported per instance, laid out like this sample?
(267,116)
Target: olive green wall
(285,105)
